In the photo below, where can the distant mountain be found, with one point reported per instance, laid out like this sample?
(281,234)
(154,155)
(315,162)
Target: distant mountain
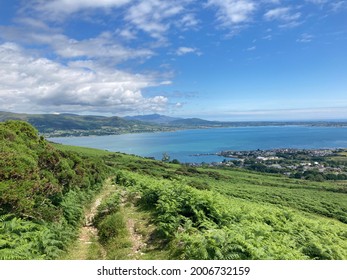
(55,125)
(70,124)
(153,118)
(196,122)
(193,123)
(178,122)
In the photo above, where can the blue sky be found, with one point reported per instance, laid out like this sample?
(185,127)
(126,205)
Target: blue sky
(214,59)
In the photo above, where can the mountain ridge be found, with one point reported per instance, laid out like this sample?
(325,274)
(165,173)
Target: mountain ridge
(62,125)
(80,125)
(153,118)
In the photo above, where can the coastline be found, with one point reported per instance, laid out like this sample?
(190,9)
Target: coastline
(163,129)
(204,145)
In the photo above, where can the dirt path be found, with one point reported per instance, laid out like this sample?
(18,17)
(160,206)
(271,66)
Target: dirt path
(88,234)
(138,230)
(132,223)
(136,239)
(141,234)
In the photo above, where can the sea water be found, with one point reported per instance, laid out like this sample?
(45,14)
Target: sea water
(185,145)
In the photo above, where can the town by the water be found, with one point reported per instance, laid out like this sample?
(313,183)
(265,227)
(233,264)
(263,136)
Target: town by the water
(312,164)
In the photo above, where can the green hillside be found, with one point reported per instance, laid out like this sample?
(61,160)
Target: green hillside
(205,213)
(148,209)
(42,193)
(77,125)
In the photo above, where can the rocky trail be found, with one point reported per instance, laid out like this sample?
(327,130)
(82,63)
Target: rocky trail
(132,224)
(88,235)
(138,228)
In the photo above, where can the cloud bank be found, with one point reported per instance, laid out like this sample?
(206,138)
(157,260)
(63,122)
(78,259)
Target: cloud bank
(30,83)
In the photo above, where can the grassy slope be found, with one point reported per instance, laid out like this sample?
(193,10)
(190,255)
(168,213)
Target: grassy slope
(42,193)
(259,216)
(323,198)
(206,225)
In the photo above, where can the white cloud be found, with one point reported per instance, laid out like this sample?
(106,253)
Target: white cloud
(290,24)
(127,34)
(152,16)
(305,38)
(32,23)
(267,37)
(283,14)
(186,50)
(166,83)
(57,8)
(288,17)
(103,47)
(339,6)
(231,12)
(188,21)
(29,83)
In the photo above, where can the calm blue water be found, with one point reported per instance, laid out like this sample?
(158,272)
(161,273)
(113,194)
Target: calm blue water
(182,144)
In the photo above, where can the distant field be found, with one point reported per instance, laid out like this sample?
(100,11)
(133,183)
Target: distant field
(82,150)
(342,156)
(324,199)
